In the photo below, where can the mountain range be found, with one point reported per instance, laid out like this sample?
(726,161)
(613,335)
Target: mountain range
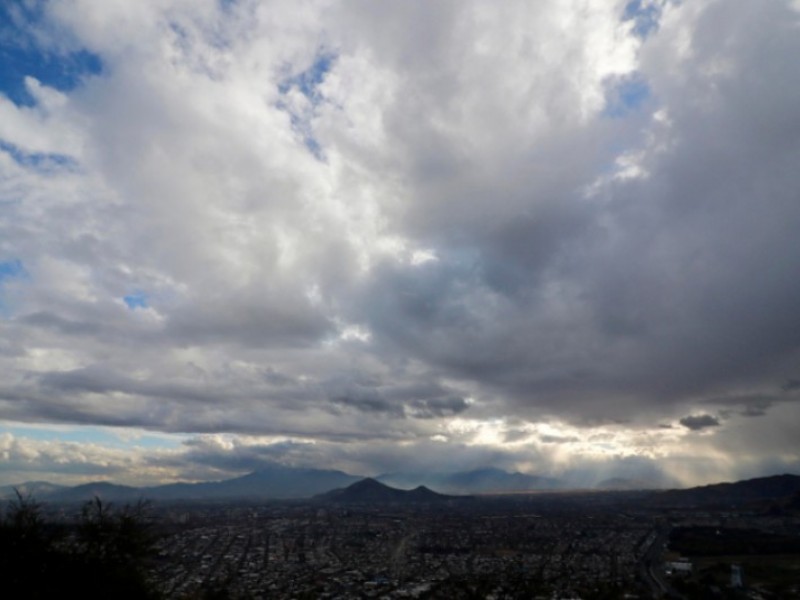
(272,482)
(281,482)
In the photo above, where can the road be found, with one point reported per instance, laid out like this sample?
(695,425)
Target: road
(651,567)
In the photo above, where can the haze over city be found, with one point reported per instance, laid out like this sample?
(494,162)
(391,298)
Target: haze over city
(559,238)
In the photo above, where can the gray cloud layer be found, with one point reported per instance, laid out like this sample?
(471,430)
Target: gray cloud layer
(331,229)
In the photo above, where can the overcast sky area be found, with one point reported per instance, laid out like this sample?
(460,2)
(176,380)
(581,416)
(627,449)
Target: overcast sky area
(559,237)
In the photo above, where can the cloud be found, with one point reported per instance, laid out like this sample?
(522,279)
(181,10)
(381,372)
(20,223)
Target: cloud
(755,410)
(698,422)
(791,385)
(26,459)
(557,439)
(220,215)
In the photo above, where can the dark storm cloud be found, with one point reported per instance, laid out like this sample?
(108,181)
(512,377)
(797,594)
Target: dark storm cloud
(102,380)
(434,408)
(419,400)
(30,408)
(657,290)
(367,401)
(59,323)
(557,439)
(791,385)
(749,405)
(274,377)
(514,435)
(282,322)
(698,422)
(755,410)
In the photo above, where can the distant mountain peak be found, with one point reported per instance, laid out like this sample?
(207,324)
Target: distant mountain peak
(369,482)
(372,491)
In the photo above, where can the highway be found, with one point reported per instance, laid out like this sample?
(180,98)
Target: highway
(651,567)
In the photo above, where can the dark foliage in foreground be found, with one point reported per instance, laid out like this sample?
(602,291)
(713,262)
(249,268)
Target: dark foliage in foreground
(104,556)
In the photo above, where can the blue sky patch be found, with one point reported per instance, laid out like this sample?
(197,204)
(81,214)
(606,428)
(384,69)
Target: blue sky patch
(95,435)
(313,146)
(9,270)
(38,160)
(303,128)
(309,80)
(12,269)
(626,94)
(21,55)
(136,300)
(645,16)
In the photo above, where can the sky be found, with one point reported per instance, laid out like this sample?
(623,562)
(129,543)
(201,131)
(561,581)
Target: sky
(559,237)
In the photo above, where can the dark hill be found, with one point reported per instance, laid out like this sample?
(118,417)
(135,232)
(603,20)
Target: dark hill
(752,492)
(108,492)
(370,491)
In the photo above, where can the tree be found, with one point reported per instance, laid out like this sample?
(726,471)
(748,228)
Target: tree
(105,556)
(29,559)
(115,546)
